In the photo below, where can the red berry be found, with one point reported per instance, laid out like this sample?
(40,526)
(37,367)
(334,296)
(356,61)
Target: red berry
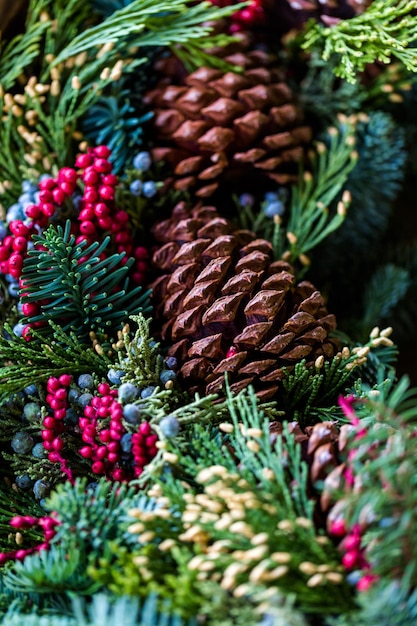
(90,176)
(338,528)
(102,165)
(110,179)
(90,195)
(87,213)
(65,380)
(47,185)
(58,196)
(17,227)
(54,457)
(67,188)
(47,208)
(103,389)
(118,475)
(47,435)
(86,452)
(30,308)
(145,429)
(101,452)
(53,384)
(33,211)
(98,467)
(105,435)
(67,174)
(103,152)
(106,192)
(49,422)
(15,261)
(350,559)
(83,160)
(101,209)
(87,228)
(59,414)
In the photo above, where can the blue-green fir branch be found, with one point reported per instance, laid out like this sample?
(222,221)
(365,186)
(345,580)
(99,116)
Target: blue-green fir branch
(386,30)
(83,293)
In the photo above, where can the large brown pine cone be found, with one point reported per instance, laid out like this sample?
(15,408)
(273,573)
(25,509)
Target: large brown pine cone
(228,307)
(230,129)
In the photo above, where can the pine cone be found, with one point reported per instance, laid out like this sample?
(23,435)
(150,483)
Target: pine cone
(229,129)
(228,307)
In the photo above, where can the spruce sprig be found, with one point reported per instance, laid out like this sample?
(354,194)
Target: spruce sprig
(76,289)
(386,29)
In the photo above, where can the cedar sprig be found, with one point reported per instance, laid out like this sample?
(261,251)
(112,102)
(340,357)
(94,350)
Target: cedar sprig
(83,293)
(196,512)
(386,30)
(25,363)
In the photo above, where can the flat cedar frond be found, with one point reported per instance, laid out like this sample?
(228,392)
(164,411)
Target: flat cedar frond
(386,29)
(75,288)
(24,362)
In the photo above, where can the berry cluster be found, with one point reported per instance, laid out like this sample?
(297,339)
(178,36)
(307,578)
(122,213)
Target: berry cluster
(24,522)
(354,558)
(54,427)
(147,188)
(244,19)
(112,449)
(98,214)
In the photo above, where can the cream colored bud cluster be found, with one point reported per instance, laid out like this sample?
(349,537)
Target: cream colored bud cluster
(381,337)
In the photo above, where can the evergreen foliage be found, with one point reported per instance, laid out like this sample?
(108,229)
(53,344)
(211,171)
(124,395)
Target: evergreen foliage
(386,29)
(113,121)
(23,362)
(65,274)
(194,510)
(145,23)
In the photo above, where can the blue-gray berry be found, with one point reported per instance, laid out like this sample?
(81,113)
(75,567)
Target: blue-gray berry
(131,413)
(147,391)
(32,411)
(73,395)
(170,426)
(22,442)
(71,417)
(84,400)
(31,390)
(13,289)
(126,442)
(39,452)
(41,489)
(24,482)
(115,376)
(85,381)
(149,189)
(171,363)
(136,187)
(142,161)
(167,375)
(127,393)
(274,208)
